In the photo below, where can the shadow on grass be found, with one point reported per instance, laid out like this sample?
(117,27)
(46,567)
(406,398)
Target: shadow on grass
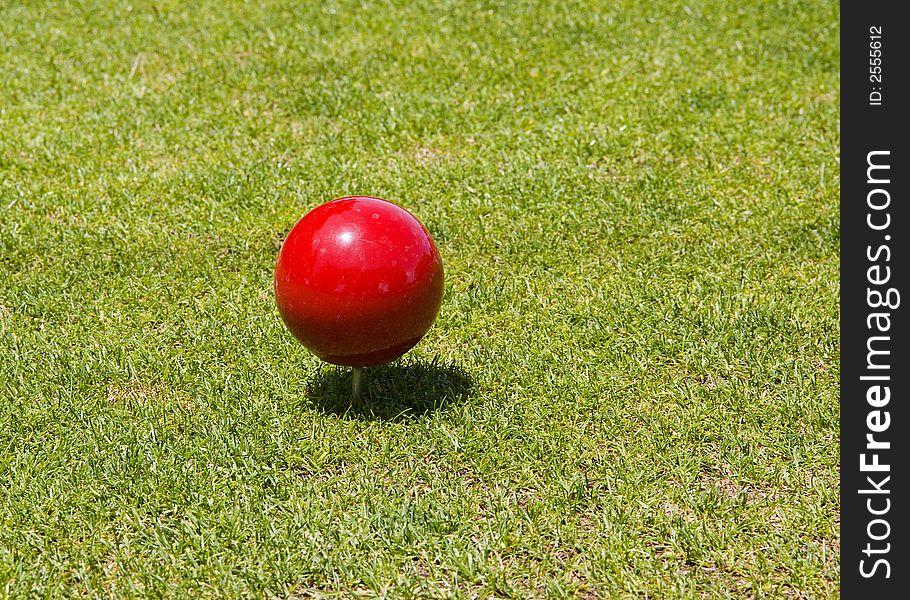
(396,392)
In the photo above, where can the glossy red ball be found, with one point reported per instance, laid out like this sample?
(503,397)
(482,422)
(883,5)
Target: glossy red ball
(359,281)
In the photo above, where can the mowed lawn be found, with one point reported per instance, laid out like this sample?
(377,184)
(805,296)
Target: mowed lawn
(632,386)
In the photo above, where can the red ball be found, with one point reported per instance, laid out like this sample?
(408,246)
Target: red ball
(359,281)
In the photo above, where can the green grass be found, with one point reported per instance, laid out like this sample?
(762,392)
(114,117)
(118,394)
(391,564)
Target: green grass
(632,386)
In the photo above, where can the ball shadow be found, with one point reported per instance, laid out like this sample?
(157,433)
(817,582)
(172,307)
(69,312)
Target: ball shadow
(394,392)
